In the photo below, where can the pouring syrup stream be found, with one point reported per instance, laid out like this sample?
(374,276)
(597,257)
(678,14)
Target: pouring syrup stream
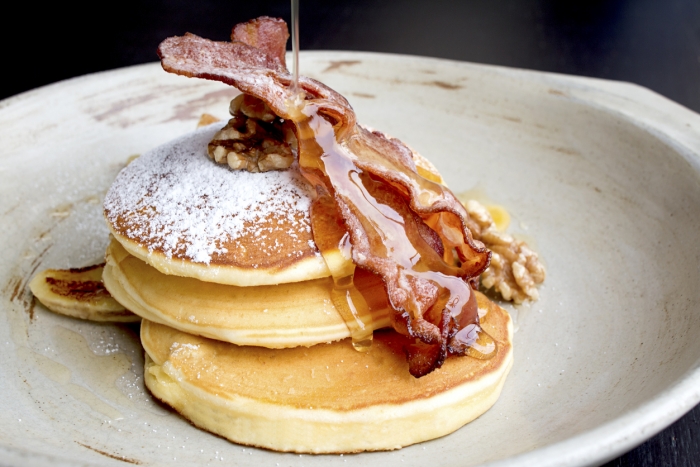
(295,47)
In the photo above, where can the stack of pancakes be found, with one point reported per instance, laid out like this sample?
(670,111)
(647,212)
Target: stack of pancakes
(240,332)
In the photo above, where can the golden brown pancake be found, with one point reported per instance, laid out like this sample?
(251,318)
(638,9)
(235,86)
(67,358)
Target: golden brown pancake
(325,399)
(185,215)
(177,210)
(274,316)
(79,293)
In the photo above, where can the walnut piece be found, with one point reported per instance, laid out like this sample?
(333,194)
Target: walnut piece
(254,139)
(515,269)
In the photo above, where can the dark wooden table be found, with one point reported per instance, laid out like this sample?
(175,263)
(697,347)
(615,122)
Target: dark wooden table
(652,43)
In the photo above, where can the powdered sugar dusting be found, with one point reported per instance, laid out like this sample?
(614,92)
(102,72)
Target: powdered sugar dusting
(176,200)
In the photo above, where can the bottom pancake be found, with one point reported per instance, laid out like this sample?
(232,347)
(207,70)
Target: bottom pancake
(328,398)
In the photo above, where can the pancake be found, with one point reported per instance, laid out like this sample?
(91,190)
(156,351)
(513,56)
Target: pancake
(183,214)
(79,293)
(285,315)
(327,398)
(179,212)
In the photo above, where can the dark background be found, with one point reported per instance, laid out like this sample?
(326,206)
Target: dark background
(652,43)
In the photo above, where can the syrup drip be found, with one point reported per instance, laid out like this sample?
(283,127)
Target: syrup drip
(327,165)
(393,235)
(332,240)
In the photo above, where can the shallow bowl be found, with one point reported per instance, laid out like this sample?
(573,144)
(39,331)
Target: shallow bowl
(603,178)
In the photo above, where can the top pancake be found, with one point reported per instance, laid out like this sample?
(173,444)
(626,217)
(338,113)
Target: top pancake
(185,215)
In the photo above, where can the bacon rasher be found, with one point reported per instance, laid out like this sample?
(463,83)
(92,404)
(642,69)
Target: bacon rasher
(433,304)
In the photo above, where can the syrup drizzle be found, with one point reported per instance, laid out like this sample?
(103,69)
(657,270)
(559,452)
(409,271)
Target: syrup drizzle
(331,239)
(326,164)
(334,243)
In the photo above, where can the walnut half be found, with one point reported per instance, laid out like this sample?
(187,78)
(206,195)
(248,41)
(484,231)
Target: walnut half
(515,269)
(254,139)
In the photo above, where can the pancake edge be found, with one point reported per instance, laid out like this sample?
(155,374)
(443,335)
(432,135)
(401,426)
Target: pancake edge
(309,268)
(76,309)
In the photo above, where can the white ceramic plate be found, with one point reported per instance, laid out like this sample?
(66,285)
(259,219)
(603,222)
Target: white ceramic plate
(602,177)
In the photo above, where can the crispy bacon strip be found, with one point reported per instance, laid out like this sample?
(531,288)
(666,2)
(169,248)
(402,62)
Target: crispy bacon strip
(252,65)
(253,72)
(269,35)
(414,294)
(391,160)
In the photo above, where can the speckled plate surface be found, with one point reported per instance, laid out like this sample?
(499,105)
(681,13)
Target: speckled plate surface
(602,177)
